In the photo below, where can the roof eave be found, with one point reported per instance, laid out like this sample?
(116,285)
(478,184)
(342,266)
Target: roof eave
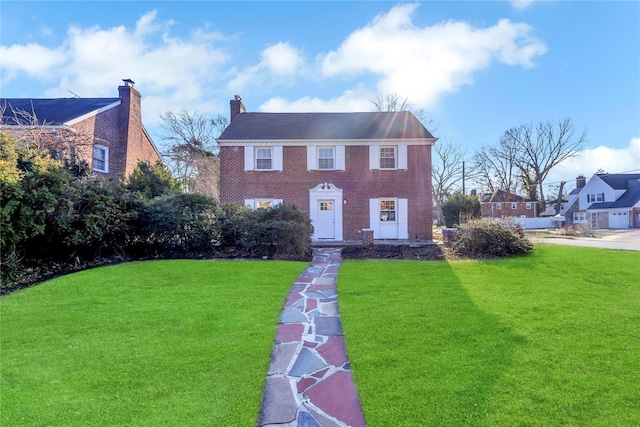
(304,142)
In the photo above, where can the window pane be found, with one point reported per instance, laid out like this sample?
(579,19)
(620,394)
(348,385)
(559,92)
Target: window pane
(263,158)
(325,158)
(263,204)
(387,158)
(99,159)
(387,210)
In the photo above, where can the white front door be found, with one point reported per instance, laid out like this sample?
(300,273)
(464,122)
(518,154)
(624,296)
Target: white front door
(325,211)
(326,223)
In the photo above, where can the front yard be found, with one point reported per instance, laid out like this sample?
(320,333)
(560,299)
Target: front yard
(551,338)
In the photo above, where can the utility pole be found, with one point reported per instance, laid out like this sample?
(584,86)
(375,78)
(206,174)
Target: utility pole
(463,192)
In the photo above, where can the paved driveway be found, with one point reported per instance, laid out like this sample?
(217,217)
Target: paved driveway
(611,239)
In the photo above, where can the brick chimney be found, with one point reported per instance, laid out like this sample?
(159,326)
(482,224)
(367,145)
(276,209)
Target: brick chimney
(129,128)
(237,107)
(581,181)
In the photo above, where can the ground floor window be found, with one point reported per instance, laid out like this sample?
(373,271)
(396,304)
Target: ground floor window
(100,158)
(579,216)
(262,203)
(387,210)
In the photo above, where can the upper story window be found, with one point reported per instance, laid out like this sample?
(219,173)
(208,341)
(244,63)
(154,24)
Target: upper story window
(100,158)
(326,157)
(591,198)
(514,206)
(387,157)
(264,156)
(498,205)
(528,205)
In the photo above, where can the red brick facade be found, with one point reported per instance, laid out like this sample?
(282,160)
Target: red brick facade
(359,184)
(509,209)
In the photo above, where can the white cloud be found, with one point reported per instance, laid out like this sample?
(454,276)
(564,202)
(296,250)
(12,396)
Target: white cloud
(171,73)
(422,64)
(590,160)
(521,4)
(279,63)
(357,99)
(32,59)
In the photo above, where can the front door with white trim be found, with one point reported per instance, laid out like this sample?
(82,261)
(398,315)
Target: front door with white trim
(325,210)
(326,223)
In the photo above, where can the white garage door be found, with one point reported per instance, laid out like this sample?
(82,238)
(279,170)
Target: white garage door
(619,219)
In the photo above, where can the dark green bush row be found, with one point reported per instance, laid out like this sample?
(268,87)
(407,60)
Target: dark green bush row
(489,239)
(53,219)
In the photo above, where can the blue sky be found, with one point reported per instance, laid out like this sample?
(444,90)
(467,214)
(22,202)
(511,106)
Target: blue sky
(478,68)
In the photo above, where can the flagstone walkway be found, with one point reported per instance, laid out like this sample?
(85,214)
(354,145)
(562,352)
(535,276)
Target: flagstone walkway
(309,382)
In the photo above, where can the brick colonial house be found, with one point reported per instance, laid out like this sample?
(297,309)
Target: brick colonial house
(107,133)
(501,204)
(349,171)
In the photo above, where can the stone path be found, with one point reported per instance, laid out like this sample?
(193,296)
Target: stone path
(309,382)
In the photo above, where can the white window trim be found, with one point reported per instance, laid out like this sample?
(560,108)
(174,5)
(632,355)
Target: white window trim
(514,206)
(106,158)
(400,153)
(338,157)
(402,216)
(250,158)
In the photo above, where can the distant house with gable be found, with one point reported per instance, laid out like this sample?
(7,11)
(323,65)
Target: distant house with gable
(606,201)
(107,132)
(503,204)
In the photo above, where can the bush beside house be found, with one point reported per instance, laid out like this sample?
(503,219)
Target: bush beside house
(55,220)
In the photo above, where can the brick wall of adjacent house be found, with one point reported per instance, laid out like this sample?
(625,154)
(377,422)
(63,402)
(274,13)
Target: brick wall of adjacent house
(358,183)
(505,210)
(120,130)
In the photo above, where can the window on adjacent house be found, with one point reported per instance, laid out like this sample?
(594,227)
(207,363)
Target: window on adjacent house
(387,210)
(387,157)
(100,158)
(498,205)
(326,156)
(514,206)
(579,216)
(264,156)
(528,205)
(600,197)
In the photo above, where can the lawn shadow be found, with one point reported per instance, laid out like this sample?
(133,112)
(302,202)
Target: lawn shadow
(422,352)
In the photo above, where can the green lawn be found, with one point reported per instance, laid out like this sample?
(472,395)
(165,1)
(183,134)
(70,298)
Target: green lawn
(547,339)
(152,343)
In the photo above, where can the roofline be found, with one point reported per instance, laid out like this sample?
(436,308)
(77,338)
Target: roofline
(92,113)
(304,142)
(153,144)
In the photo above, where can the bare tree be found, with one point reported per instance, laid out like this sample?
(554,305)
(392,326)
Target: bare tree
(69,144)
(496,167)
(447,168)
(393,102)
(540,150)
(193,150)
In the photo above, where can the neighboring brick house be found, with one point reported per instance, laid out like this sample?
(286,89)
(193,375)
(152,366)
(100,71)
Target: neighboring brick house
(349,171)
(108,132)
(501,204)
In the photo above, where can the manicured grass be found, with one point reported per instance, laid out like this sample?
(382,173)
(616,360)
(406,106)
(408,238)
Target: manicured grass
(151,343)
(547,339)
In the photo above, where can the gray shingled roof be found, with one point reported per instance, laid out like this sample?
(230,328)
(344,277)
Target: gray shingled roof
(627,200)
(618,181)
(324,126)
(54,111)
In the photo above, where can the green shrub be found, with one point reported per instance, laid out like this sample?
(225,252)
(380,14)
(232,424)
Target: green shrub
(151,181)
(489,239)
(281,231)
(460,208)
(180,225)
